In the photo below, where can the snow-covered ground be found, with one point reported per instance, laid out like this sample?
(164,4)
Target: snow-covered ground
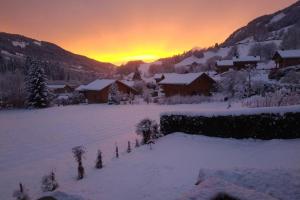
(33,142)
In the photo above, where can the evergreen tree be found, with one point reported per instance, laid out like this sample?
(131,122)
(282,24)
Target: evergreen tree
(36,86)
(129,147)
(114,96)
(137,75)
(99,163)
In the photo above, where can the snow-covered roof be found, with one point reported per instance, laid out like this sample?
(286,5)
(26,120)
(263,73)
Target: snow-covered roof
(97,85)
(188,61)
(157,76)
(180,79)
(289,53)
(246,59)
(56,86)
(128,83)
(225,62)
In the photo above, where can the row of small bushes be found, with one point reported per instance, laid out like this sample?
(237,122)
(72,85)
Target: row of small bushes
(260,126)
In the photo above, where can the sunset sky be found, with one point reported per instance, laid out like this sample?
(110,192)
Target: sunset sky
(120,30)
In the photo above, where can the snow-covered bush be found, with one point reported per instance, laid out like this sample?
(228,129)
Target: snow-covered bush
(114,96)
(234,83)
(21,193)
(292,77)
(139,86)
(36,86)
(224,196)
(281,73)
(78,153)
(148,129)
(69,99)
(49,182)
(178,99)
(147,95)
(281,97)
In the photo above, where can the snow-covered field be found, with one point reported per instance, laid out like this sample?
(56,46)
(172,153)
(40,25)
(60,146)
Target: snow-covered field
(34,142)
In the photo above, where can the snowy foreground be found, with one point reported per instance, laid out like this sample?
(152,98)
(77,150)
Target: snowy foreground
(34,142)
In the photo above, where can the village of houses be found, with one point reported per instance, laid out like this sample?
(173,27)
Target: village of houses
(155,87)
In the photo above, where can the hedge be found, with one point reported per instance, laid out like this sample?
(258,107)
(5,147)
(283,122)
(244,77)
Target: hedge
(260,126)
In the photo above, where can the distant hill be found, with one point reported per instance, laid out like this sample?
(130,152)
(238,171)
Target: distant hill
(18,47)
(267,27)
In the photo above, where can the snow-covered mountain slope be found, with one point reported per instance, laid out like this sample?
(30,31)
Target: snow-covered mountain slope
(18,47)
(268,26)
(222,52)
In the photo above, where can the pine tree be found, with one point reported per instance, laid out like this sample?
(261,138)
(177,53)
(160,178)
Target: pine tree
(129,147)
(137,75)
(117,151)
(36,86)
(99,163)
(114,96)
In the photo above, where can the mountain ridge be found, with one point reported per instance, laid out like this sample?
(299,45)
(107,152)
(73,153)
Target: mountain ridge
(18,47)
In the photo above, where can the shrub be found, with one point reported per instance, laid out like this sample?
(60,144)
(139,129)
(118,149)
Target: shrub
(49,182)
(261,126)
(78,152)
(129,147)
(21,194)
(99,163)
(223,196)
(281,97)
(148,129)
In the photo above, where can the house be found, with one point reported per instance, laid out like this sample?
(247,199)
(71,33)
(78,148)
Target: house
(224,65)
(237,63)
(285,58)
(245,62)
(98,90)
(60,88)
(187,84)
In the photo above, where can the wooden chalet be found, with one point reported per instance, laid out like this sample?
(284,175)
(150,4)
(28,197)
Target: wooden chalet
(237,63)
(224,65)
(187,84)
(245,62)
(97,91)
(286,58)
(60,88)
